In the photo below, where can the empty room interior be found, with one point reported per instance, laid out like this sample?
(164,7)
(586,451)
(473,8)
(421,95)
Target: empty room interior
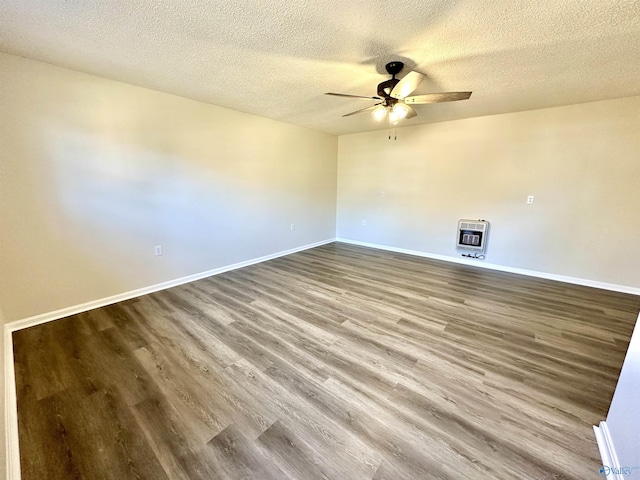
(320,240)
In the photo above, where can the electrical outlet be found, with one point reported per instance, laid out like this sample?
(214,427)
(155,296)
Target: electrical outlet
(530,199)
(157,250)
(293,227)
(382,194)
(364,223)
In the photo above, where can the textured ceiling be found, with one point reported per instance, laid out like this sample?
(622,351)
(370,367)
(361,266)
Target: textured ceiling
(276,58)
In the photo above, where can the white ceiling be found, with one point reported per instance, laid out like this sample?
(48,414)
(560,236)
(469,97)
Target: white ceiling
(276,58)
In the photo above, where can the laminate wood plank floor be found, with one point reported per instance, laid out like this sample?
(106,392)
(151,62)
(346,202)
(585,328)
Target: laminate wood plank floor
(339,362)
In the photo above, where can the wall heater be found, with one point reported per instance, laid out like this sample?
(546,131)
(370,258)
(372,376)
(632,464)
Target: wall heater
(472,235)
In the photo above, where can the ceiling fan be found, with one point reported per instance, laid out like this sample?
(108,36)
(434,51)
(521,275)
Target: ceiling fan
(393,95)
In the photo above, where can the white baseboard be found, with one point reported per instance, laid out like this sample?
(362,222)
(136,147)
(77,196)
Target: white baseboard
(501,268)
(11,404)
(84,307)
(607,451)
(11,411)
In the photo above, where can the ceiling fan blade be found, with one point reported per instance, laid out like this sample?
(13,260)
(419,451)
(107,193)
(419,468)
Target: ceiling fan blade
(410,112)
(407,85)
(352,96)
(362,110)
(438,97)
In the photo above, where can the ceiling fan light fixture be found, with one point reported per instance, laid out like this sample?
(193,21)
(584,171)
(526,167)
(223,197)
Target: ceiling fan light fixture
(400,110)
(393,117)
(379,112)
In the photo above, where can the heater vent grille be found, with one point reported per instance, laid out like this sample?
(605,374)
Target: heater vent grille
(472,226)
(472,235)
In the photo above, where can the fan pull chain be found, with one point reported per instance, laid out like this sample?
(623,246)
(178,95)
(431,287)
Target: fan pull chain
(395,133)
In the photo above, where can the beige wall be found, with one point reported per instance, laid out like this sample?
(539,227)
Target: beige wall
(95,173)
(581,162)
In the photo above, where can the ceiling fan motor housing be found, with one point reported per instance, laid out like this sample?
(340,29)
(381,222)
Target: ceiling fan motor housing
(384,88)
(394,68)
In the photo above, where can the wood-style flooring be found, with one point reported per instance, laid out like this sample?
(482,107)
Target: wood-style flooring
(340,363)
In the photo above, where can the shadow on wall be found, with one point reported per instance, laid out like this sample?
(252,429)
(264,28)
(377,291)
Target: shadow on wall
(118,201)
(94,206)
(95,173)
